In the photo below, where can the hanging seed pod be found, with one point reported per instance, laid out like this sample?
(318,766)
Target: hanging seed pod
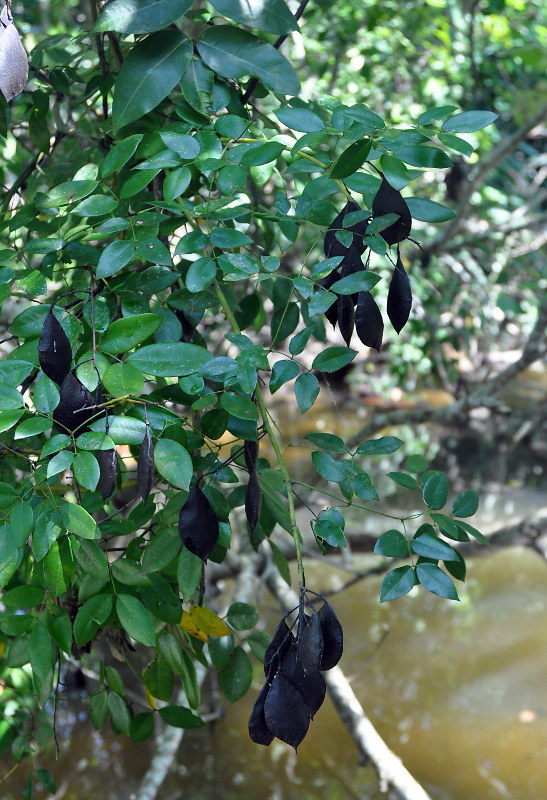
(145,465)
(399,298)
(13,58)
(258,730)
(351,264)
(198,525)
(368,321)
(312,687)
(253,500)
(310,644)
(75,405)
(54,351)
(276,650)
(108,463)
(333,637)
(331,313)
(389,201)
(345,316)
(331,245)
(286,712)
(250,451)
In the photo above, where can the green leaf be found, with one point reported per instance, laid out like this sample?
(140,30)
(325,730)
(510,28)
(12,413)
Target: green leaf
(151,70)
(189,572)
(351,159)
(163,548)
(14,371)
(416,463)
(455,143)
(46,779)
(86,470)
(93,441)
(95,206)
(436,581)
(421,155)
(10,555)
(122,379)
(59,463)
(427,210)
(236,676)
(40,650)
(240,407)
(142,726)
(402,479)
(363,487)
(169,359)
(124,334)
(91,615)
(122,430)
(77,520)
(333,359)
(98,708)
(397,583)
(431,546)
(10,398)
(329,467)
(201,273)
(60,628)
(21,522)
(435,113)
(8,419)
(159,680)
(135,619)
(469,121)
(176,183)
(180,717)
(242,616)
(361,281)
(299,119)
(465,504)
(173,463)
(234,53)
(467,528)
(435,491)
(306,390)
(115,257)
(327,441)
(272,16)
(260,154)
(120,155)
(53,571)
(282,372)
(140,16)
(92,559)
(119,713)
(392,543)
(32,427)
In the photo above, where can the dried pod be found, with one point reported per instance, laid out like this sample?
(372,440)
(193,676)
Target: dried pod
(399,299)
(145,466)
(333,637)
(258,730)
(13,58)
(281,642)
(368,321)
(54,351)
(331,313)
(75,405)
(198,525)
(345,316)
(331,245)
(108,463)
(250,451)
(310,643)
(389,201)
(253,500)
(312,686)
(286,712)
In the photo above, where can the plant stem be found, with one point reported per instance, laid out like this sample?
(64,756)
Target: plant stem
(295,533)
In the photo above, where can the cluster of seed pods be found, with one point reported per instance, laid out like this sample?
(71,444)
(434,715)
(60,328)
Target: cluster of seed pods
(294,689)
(359,311)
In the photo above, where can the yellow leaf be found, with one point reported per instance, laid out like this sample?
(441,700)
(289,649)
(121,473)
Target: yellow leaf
(150,699)
(188,625)
(207,621)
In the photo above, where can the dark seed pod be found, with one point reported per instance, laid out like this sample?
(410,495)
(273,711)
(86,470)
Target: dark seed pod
(368,321)
(310,644)
(399,298)
(253,500)
(281,642)
(54,351)
(198,525)
(331,313)
(351,264)
(108,463)
(75,405)
(389,201)
(258,730)
(331,245)
(345,316)
(312,687)
(333,637)
(145,466)
(286,712)
(13,58)
(250,451)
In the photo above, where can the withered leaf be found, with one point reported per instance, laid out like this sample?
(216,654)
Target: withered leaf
(13,58)
(108,464)
(369,325)
(253,500)
(312,686)
(250,451)
(145,466)
(389,201)
(280,644)
(75,405)
(258,730)
(399,298)
(345,316)
(54,351)
(310,643)
(333,637)
(198,525)
(286,712)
